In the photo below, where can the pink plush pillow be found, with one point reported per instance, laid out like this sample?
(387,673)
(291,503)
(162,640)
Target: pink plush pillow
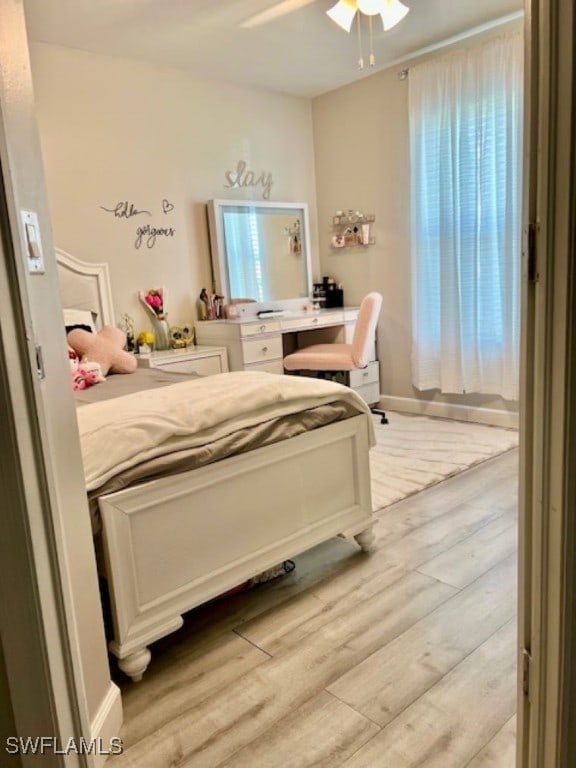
(105,347)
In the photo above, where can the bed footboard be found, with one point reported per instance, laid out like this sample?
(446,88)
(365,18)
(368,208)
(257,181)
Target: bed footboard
(174,543)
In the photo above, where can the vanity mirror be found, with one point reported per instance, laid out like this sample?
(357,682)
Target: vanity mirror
(260,251)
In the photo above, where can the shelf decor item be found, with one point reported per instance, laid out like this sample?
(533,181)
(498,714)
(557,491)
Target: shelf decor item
(127,325)
(145,343)
(352,229)
(153,301)
(181,336)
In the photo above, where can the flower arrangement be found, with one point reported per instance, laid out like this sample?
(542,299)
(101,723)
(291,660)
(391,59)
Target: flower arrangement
(127,325)
(154,299)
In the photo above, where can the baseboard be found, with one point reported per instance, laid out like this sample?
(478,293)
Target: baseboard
(491,416)
(106,725)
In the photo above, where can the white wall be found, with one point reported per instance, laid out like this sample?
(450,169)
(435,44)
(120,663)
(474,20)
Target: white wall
(116,130)
(361,143)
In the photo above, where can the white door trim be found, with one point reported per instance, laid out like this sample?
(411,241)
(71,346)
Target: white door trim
(36,651)
(548,533)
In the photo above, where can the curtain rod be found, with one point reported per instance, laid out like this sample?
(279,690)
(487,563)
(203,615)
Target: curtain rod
(494,24)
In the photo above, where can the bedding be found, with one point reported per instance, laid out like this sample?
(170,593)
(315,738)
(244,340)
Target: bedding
(121,433)
(236,443)
(119,386)
(233,443)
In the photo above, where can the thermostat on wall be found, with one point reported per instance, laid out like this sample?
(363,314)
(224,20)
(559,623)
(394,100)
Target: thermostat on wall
(34,255)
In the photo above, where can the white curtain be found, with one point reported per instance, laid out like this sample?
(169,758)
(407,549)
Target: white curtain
(465,114)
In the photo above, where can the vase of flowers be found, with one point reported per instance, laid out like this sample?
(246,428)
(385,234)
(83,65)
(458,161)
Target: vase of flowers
(154,303)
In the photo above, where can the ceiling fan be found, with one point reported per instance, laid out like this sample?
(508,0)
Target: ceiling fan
(391,12)
(343,13)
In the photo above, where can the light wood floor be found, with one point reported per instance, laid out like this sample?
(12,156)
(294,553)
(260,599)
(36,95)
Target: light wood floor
(398,659)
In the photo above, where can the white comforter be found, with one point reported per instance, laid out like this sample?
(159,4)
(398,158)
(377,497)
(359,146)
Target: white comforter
(121,433)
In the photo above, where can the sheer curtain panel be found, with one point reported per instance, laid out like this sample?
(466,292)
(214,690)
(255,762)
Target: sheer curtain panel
(465,113)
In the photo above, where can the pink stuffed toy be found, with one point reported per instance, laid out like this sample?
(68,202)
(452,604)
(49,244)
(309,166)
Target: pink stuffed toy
(83,378)
(83,374)
(105,347)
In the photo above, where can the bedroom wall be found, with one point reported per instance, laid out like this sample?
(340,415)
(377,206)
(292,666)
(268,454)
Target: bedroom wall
(361,144)
(160,140)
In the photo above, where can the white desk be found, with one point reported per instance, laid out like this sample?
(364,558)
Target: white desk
(261,343)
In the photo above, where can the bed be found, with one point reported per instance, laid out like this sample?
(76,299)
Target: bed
(171,539)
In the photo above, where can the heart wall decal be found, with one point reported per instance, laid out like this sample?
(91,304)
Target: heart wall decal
(167,206)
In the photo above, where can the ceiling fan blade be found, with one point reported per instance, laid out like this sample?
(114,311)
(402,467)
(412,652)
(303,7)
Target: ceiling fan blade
(394,13)
(275,12)
(343,13)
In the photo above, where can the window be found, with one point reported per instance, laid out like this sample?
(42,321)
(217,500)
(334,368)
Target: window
(466,178)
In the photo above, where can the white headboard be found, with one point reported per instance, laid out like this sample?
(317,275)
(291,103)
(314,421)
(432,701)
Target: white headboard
(86,286)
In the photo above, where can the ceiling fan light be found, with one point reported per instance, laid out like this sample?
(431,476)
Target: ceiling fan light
(370,7)
(392,13)
(343,13)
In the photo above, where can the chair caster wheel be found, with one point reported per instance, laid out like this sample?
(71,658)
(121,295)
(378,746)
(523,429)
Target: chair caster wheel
(382,414)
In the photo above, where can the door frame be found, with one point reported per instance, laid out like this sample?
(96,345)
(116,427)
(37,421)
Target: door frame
(37,654)
(547,626)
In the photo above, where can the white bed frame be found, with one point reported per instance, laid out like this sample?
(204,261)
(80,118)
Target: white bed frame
(174,543)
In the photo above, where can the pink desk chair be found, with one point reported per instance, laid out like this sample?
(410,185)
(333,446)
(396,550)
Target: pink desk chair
(328,360)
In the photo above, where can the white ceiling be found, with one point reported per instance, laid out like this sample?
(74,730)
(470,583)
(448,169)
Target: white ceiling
(301,52)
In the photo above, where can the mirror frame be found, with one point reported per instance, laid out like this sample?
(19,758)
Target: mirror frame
(218,248)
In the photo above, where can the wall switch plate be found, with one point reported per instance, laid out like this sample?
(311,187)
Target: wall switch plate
(34,254)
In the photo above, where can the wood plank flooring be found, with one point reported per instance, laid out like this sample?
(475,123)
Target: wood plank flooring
(405,657)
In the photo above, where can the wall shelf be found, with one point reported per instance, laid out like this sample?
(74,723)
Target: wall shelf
(352,229)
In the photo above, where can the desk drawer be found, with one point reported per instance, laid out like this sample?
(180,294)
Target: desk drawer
(363,376)
(314,321)
(261,350)
(273,366)
(370,393)
(203,366)
(262,326)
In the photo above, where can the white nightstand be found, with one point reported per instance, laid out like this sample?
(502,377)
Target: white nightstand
(203,361)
